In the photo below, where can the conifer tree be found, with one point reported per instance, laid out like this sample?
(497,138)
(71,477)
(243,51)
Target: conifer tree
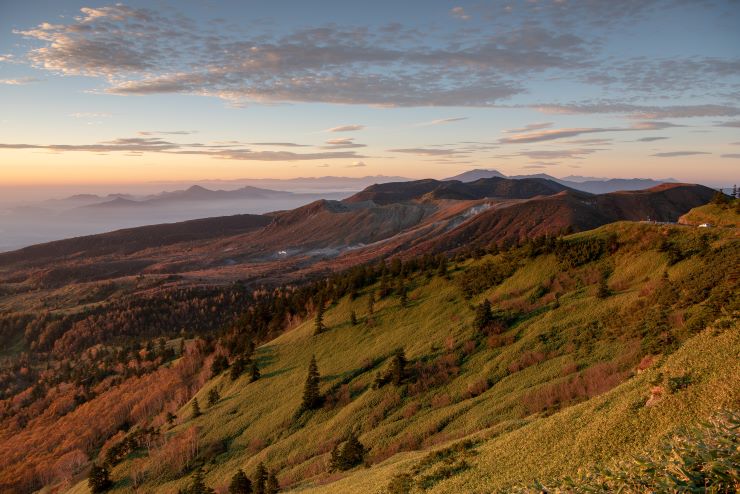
(260,479)
(353,452)
(353,318)
(404,298)
(347,455)
(240,483)
(196,408)
(220,363)
(271,485)
(319,322)
(311,394)
(99,479)
(198,485)
(397,371)
(237,368)
(371,303)
(213,397)
(483,315)
(254,372)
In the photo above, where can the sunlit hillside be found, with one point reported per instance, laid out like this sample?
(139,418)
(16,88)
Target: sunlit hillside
(598,347)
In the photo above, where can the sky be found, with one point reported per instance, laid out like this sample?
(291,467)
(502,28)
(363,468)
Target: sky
(133,92)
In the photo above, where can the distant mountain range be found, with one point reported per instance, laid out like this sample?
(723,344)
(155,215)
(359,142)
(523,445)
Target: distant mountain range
(587,184)
(195,193)
(90,213)
(405,218)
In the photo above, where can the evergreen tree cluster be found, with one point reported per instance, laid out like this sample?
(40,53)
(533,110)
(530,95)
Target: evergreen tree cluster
(348,454)
(220,363)
(396,372)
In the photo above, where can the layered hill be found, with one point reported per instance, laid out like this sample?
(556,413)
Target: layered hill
(596,346)
(404,218)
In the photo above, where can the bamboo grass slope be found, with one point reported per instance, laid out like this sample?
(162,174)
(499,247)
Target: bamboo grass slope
(596,348)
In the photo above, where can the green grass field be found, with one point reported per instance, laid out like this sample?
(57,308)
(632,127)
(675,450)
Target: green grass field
(490,389)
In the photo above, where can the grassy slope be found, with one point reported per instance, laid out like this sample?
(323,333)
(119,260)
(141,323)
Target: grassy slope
(515,447)
(724,216)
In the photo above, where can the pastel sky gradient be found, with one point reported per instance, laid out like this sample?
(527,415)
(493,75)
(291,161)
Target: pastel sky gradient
(95,92)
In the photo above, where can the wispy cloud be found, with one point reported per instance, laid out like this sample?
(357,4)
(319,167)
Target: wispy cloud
(530,127)
(166,132)
(552,134)
(651,139)
(730,155)
(676,154)
(357,164)
(555,154)
(280,144)
(87,114)
(426,151)
(159,145)
(730,123)
(346,128)
(642,111)
(441,121)
(342,143)
(21,81)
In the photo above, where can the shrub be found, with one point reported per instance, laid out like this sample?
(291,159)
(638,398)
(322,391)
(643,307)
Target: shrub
(675,384)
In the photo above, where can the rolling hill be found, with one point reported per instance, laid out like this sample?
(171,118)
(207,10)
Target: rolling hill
(403,218)
(597,345)
(559,378)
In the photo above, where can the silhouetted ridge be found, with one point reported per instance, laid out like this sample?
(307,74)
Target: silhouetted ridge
(493,187)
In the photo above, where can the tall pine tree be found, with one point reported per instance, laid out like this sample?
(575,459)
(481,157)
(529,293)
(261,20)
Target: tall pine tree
(198,485)
(196,408)
(240,483)
(271,485)
(213,397)
(311,394)
(260,479)
(319,326)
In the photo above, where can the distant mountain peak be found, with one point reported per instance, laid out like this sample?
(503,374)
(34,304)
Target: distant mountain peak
(477,174)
